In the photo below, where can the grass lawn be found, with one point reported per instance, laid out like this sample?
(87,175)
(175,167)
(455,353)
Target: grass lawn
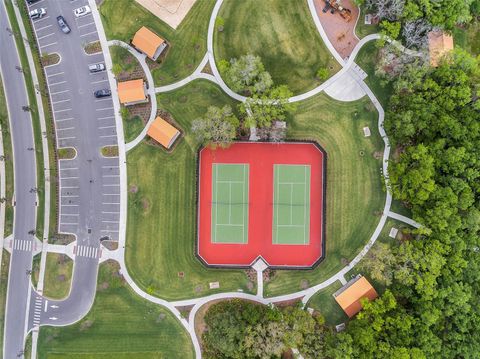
(3,292)
(119,325)
(282,33)
(367,59)
(468,38)
(162,209)
(355,197)
(363,30)
(324,302)
(58,275)
(188,43)
(7,148)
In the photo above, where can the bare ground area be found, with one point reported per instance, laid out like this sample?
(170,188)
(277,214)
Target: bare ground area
(340,32)
(170,11)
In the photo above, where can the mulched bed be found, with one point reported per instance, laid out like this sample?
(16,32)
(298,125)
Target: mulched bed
(93,47)
(50,59)
(110,151)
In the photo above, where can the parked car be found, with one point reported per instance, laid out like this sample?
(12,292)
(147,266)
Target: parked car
(63,24)
(30,2)
(82,11)
(37,13)
(102,93)
(96,67)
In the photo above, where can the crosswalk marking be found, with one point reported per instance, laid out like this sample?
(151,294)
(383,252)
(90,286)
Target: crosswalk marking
(22,245)
(87,251)
(37,311)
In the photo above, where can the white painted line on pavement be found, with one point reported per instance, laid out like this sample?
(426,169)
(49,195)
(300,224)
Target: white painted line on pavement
(97,82)
(55,74)
(104,127)
(103,109)
(110,222)
(106,136)
(112,166)
(107,212)
(69,205)
(60,101)
(59,92)
(74,187)
(66,138)
(66,109)
(43,18)
(109,203)
(46,305)
(90,23)
(70,214)
(68,168)
(105,118)
(104,99)
(65,129)
(57,83)
(89,33)
(65,119)
(109,230)
(42,37)
(111,185)
(42,28)
(106,176)
(67,178)
(44,46)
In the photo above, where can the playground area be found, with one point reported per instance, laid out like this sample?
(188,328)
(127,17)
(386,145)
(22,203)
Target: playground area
(339,25)
(261,199)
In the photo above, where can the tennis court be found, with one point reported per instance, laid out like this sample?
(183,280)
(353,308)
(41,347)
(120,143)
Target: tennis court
(291,204)
(230,203)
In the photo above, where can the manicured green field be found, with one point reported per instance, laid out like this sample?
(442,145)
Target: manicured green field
(230,203)
(188,43)
(291,204)
(7,149)
(355,197)
(324,302)
(282,33)
(58,276)
(162,218)
(119,325)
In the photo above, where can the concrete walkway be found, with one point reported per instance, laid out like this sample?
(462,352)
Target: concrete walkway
(404,219)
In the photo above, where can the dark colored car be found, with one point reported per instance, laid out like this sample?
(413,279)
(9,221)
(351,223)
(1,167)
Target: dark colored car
(63,24)
(102,93)
(30,2)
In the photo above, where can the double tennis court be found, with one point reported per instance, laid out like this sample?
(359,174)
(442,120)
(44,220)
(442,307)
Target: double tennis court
(290,207)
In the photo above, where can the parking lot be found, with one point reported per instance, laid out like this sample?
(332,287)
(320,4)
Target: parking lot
(88,184)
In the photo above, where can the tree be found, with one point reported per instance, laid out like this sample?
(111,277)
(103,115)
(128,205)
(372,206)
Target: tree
(247,74)
(380,263)
(217,127)
(323,73)
(262,109)
(415,33)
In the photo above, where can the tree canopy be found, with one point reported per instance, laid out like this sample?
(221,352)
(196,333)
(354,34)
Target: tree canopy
(217,127)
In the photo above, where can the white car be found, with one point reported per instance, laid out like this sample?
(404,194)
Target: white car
(37,13)
(82,11)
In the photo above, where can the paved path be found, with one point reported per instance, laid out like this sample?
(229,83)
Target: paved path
(404,219)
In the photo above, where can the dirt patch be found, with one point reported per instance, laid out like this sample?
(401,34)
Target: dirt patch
(145,204)
(340,32)
(133,188)
(304,284)
(170,11)
(110,245)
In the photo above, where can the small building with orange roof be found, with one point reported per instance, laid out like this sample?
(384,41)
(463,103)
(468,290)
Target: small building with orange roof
(149,43)
(439,43)
(132,92)
(163,132)
(350,295)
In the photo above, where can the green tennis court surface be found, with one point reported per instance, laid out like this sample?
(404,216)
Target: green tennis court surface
(291,204)
(230,203)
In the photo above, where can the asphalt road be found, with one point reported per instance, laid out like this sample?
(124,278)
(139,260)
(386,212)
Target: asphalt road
(89,186)
(25,198)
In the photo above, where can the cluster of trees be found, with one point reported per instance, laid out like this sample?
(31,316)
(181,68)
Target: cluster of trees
(413,19)
(242,329)
(265,102)
(430,308)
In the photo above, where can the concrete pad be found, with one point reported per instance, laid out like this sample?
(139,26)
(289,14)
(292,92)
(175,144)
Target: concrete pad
(345,88)
(170,11)
(366,131)
(393,232)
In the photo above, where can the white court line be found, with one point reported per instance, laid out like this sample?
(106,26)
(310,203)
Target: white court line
(64,119)
(89,33)
(53,43)
(57,83)
(44,36)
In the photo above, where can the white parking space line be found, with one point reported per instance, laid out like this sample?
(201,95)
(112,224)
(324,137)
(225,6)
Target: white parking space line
(106,136)
(104,109)
(106,212)
(72,187)
(64,119)
(90,23)
(51,44)
(56,74)
(104,127)
(112,166)
(69,223)
(43,28)
(66,109)
(65,129)
(60,101)
(68,168)
(110,222)
(43,18)
(105,118)
(97,82)
(38,2)
(68,178)
(106,176)
(70,205)
(44,36)
(110,194)
(70,214)
(57,83)
(89,33)
(111,185)
(109,203)
(109,230)
(103,99)
(59,92)
(66,138)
